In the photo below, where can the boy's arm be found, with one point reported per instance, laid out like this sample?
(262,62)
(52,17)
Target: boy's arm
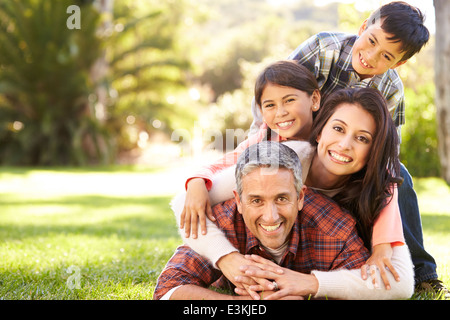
(311,55)
(307,52)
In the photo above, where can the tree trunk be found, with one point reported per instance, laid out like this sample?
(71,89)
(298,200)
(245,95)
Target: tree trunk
(442,80)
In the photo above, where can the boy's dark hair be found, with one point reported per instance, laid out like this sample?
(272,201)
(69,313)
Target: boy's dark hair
(405,23)
(287,73)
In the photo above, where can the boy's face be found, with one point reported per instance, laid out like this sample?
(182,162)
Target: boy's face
(373,53)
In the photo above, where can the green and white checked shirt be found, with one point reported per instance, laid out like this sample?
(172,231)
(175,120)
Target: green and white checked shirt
(328,56)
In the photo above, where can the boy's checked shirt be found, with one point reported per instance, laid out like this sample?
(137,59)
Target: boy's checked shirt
(328,56)
(323,238)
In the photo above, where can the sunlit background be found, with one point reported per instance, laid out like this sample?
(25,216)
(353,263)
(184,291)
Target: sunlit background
(103,116)
(167,82)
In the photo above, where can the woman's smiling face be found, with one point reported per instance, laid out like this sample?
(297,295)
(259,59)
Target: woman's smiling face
(346,139)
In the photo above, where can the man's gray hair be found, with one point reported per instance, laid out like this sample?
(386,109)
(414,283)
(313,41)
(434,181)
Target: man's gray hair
(271,156)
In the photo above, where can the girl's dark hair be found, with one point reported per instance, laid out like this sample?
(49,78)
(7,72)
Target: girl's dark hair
(287,73)
(368,191)
(405,23)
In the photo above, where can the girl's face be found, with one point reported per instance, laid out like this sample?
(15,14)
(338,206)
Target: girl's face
(288,111)
(346,140)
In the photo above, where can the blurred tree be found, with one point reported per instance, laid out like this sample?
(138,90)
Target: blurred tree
(45,115)
(418,149)
(251,31)
(146,69)
(442,79)
(237,41)
(70,96)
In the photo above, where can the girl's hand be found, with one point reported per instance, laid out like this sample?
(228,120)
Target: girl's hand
(381,259)
(196,207)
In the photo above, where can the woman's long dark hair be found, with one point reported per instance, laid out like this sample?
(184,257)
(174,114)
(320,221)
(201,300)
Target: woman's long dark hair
(368,191)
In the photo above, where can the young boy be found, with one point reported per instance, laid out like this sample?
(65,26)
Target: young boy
(387,39)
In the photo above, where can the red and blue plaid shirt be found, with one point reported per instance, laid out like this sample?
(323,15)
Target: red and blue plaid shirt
(323,238)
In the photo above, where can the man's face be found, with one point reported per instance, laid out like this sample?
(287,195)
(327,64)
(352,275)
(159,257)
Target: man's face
(373,53)
(269,205)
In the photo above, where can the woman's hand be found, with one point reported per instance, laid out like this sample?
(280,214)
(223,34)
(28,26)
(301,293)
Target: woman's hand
(381,259)
(196,207)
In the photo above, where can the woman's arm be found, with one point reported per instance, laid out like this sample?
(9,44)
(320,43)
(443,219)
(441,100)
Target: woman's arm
(339,284)
(388,226)
(348,284)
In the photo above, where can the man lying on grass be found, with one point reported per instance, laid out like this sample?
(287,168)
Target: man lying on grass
(294,237)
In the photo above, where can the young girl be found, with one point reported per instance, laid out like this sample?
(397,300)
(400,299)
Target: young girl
(370,196)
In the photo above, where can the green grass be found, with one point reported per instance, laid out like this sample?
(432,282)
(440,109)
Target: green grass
(110,226)
(434,203)
(112,230)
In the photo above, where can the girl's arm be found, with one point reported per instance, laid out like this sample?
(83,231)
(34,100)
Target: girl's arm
(197,204)
(212,245)
(229,159)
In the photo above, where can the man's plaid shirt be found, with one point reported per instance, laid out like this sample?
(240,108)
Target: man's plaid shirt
(323,238)
(328,56)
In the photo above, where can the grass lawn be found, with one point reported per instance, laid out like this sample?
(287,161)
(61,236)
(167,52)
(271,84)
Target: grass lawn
(106,233)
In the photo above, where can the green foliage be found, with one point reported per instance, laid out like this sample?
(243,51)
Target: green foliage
(351,19)
(146,66)
(418,150)
(66,94)
(237,41)
(45,115)
(250,31)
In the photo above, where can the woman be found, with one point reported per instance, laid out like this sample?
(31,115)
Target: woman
(362,185)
